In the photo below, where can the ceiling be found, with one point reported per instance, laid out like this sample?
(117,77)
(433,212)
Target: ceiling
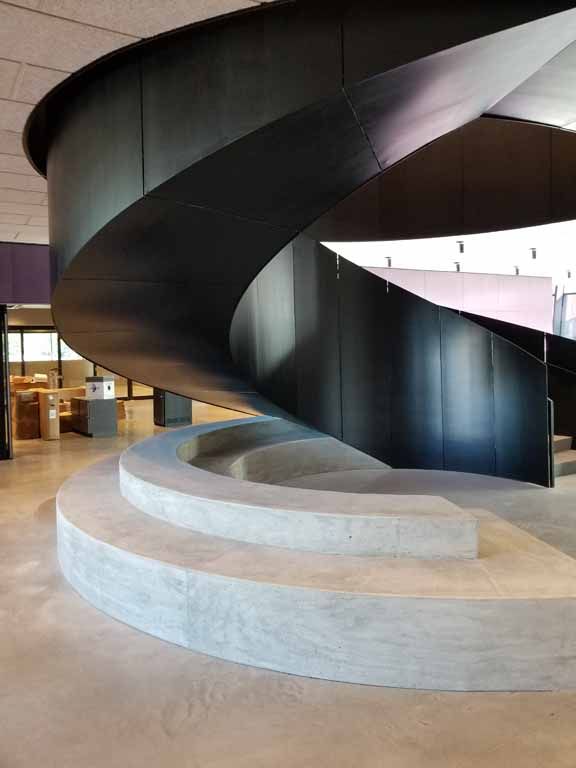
(43,41)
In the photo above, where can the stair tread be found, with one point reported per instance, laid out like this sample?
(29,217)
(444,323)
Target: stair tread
(91,502)
(565,456)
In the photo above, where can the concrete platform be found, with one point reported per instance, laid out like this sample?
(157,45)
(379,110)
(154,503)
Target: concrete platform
(506,621)
(161,477)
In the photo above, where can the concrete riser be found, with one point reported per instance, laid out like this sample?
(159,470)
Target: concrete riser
(439,644)
(562,443)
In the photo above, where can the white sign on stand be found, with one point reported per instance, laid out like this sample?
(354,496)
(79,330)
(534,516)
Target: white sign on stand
(100,388)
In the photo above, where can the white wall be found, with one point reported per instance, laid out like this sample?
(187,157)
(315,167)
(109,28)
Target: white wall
(516,299)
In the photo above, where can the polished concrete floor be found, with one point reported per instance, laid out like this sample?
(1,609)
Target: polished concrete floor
(80,690)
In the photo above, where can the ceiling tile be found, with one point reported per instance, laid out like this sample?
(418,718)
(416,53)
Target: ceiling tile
(8,233)
(11,143)
(14,218)
(27,3)
(47,41)
(24,208)
(8,74)
(13,114)
(16,164)
(142,18)
(35,82)
(19,181)
(32,234)
(24,237)
(18,196)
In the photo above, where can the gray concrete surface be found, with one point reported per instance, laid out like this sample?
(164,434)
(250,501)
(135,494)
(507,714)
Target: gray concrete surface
(156,476)
(505,621)
(548,514)
(80,690)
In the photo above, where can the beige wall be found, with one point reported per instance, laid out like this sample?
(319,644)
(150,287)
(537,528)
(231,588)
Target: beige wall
(74,372)
(30,316)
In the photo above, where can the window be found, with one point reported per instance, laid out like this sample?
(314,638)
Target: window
(40,347)
(67,352)
(14,347)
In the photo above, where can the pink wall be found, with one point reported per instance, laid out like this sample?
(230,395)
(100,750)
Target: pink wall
(516,299)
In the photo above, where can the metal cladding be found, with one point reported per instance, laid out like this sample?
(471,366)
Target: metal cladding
(180,167)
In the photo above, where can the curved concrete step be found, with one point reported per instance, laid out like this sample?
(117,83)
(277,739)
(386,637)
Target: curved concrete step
(506,621)
(156,477)
(565,463)
(562,443)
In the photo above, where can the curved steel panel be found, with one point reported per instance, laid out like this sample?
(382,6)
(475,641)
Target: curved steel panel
(200,155)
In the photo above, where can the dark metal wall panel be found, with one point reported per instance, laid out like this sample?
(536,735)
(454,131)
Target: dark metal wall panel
(244,333)
(521,195)
(563,174)
(154,233)
(529,339)
(206,88)
(467,395)
(317,336)
(210,270)
(358,215)
(412,384)
(365,334)
(287,173)
(561,352)
(415,382)
(417,96)
(444,24)
(276,331)
(91,181)
(490,174)
(428,189)
(560,357)
(521,418)
(262,333)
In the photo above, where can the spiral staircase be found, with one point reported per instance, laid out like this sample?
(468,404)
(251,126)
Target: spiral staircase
(182,174)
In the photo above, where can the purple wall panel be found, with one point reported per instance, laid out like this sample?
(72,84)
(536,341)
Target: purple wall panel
(5,272)
(26,274)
